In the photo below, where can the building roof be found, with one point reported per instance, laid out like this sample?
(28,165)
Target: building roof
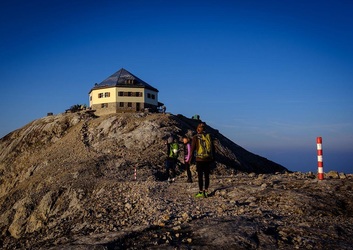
(123,78)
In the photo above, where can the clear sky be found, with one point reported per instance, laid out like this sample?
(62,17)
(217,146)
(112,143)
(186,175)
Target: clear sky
(269,75)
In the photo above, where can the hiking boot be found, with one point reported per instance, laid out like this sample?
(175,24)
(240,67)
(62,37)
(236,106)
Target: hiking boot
(189,181)
(169,180)
(205,194)
(199,195)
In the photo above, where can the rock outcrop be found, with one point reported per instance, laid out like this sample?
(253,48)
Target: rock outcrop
(67,182)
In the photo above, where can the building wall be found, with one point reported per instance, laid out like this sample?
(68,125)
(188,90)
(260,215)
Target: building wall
(95,99)
(117,99)
(148,97)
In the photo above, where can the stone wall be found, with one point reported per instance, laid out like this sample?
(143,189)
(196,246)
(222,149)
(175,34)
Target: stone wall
(114,107)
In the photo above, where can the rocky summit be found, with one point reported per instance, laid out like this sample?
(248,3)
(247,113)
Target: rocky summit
(77,181)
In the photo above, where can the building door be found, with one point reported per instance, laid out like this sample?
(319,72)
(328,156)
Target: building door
(138,106)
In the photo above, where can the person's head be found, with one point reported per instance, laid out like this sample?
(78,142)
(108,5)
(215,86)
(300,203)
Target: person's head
(200,128)
(185,140)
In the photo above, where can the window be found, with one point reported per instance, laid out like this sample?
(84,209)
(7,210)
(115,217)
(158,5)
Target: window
(129,104)
(104,105)
(106,94)
(90,98)
(153,97)
(148,95)
(121,104)
(129,81)
(129,93)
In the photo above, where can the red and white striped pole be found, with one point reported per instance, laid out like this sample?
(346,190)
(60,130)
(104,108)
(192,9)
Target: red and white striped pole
(320,165)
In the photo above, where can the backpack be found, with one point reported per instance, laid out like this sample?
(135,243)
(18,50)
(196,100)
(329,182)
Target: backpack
(173,150)
(205,146)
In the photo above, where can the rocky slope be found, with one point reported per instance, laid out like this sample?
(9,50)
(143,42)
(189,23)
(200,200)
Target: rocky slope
(67,182)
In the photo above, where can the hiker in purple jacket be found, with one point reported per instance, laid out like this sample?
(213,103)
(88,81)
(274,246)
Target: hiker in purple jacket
(187,157)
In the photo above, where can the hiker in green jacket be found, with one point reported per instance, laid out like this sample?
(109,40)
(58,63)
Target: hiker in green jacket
(202,145)
(172,157)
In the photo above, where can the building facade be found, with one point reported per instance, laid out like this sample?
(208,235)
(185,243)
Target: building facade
(123,92)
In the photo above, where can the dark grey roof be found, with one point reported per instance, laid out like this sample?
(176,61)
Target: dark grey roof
(123,78)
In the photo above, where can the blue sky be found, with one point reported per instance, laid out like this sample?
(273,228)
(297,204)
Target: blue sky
(270,75)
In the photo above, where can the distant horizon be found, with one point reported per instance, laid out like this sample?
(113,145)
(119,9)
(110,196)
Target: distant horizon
(294,159)
(301,160)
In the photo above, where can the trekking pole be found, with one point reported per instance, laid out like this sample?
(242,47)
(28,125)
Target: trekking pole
(135,174)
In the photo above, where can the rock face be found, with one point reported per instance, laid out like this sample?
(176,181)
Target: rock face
(67,182)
